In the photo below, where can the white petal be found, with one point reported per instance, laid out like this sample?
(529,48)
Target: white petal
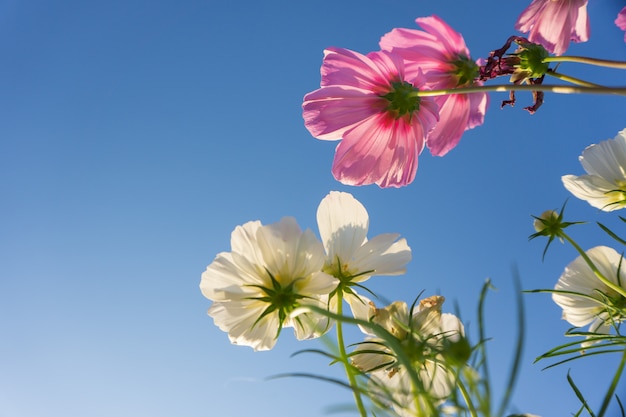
(383,255)
(362,308)
(239,319)
(244,240)
(451,327)
(595,190)
(437,380)
(394,318)
(372,355)
(606,159)
(316,283)
(310,325)
(343,223)
(579,278)
(605,163)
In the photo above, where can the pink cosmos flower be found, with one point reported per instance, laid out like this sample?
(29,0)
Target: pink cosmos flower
(442,55)
(554,23)
(369,103)
(621,21)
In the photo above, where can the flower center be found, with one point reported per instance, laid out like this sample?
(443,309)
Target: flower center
(282,299)
(402,99)
(465,71)
(618,196)
(617,310)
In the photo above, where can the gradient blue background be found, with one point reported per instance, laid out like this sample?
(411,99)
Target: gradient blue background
(135,135)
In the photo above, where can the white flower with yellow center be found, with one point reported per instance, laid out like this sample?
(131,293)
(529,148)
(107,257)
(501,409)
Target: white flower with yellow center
(585,299)
(257,288)
(424,334)
(350,257)
(604,186)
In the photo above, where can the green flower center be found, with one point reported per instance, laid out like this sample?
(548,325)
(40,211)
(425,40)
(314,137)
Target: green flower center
(465,71)
(617,196)
(345,275)
(617,308)
(402,99)
(279,298)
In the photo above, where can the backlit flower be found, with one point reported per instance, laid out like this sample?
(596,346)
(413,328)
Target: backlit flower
(604,186)
(257,287)
(442,55)
(350,257)
(585,299)
(369,103)
(424,335)
(554,23)
(621,21)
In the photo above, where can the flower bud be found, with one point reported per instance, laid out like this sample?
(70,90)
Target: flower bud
(544,221)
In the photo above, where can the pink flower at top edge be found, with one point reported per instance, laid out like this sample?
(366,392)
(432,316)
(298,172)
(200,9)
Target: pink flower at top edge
(442,55)
(554,23)
(621,21)
(367,102)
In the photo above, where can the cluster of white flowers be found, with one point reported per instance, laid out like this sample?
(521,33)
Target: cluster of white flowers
(275,273)
(272,270)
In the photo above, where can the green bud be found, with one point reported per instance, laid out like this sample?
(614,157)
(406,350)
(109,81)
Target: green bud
(531,58)
(547,220)
(457,352)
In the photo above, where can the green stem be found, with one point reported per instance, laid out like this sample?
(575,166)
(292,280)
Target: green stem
(613,386)
(621,291)
(390,340)
(466,397)
(558,89)
(346,362)
(483,347)
(572,80)
(589,61)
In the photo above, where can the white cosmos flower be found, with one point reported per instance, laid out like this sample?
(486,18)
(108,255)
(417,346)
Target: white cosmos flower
(584,298)
(423,335)
(343,224)
(257,287)
(604,186)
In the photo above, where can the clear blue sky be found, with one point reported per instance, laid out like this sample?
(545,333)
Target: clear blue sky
(135,135)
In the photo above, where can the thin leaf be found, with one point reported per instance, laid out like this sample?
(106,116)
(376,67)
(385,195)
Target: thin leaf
(517,359)
(580,396)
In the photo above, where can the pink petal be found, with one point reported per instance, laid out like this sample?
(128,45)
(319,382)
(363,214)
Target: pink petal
(478,108)
(349,68)
(453,117)
(621,21)
(554,23)
(451,40)
(330,111)
(381,150)
(457,113)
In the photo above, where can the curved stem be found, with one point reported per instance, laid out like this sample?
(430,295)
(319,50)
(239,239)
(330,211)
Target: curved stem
(466,397)
(558,89)
(390,340)
(572,80)
(589,61)
(613,386)
(483,347)
(621,291)
(344,358)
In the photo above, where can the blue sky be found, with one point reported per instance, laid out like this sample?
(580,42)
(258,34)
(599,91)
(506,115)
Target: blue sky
(135,135)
